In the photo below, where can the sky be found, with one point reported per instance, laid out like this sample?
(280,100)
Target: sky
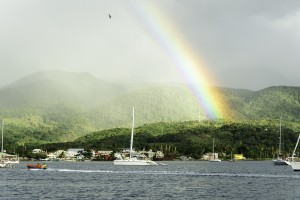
(249,44)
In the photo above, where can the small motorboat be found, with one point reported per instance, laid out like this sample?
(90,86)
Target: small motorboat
(36,167)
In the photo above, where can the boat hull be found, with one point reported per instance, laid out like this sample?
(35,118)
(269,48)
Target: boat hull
(295,166)
(6,165)
(215,160)
(33,167)
(281,162)
(135,162)
(3,165)
(36,169)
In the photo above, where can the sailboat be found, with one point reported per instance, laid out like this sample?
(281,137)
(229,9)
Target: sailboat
(133,159)
(280,158)
(215,159)
(295,164)
(7,160)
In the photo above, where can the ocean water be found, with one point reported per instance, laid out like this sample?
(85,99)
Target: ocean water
(177,180)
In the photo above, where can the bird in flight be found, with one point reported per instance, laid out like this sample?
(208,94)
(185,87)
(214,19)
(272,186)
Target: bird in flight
(109,16)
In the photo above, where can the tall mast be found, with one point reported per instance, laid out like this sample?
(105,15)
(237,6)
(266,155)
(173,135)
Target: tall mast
(214,147)
(132,128)
(279,151)
(294,152)
(2,135)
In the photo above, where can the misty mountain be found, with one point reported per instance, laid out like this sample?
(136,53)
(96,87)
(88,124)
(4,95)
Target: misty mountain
(54,106)
(48,87)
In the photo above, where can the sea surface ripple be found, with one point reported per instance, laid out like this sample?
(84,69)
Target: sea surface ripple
(177,180)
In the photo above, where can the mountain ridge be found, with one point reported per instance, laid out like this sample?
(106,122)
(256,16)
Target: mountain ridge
(70,105)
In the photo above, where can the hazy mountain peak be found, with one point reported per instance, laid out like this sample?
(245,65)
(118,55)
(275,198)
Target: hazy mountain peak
(52,75)
(50,86)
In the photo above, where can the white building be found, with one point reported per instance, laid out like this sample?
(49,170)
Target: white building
(37,151)
(73,152)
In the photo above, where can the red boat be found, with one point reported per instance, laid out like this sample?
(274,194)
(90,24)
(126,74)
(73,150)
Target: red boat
(37,166)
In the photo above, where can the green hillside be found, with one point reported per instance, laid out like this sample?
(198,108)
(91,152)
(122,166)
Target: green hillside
(272,102)
(153,104)
(254,139)
(55,106)
(268,103)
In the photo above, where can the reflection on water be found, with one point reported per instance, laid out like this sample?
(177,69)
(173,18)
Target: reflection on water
(178,180)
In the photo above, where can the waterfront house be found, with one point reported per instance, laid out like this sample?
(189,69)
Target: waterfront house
(74,152)
(37,151)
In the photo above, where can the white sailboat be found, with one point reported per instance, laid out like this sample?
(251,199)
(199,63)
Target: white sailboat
(133,158)
(215,159)
(281,160)
(7,160)
(295,164)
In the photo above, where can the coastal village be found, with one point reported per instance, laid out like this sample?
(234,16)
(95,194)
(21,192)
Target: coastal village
(80,154)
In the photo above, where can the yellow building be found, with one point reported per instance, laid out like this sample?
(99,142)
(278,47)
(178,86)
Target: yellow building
(239,157)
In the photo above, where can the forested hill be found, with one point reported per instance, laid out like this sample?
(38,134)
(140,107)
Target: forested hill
(284,100)
(269,103)
(53,106)
(253,139)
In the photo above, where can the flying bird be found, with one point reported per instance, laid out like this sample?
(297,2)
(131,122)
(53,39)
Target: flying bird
(109,16)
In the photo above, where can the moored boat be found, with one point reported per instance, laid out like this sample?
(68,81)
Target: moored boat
(36,167)
(281,160)
(215,159)
(295,164)
(7,160)
(5,165)
(133,159)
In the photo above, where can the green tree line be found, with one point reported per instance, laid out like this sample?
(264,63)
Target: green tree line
(254,139)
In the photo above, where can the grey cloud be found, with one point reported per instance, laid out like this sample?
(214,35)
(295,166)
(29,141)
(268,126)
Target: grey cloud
(234,37)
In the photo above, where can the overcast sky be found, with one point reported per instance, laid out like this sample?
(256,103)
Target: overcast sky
(249,44)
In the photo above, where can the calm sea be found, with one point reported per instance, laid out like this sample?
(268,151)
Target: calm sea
(178,180)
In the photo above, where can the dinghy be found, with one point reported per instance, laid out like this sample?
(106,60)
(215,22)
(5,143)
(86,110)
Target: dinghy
(36,167)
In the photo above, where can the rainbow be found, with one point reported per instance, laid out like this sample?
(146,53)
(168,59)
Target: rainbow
(189,65)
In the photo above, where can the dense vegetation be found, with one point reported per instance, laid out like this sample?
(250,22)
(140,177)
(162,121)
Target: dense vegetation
(62,108)
(256,140)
